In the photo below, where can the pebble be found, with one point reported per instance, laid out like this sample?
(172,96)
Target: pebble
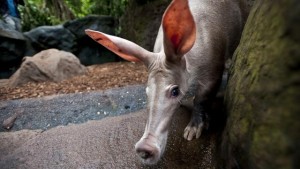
(9,122)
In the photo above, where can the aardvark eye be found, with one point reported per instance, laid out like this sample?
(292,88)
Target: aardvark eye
(175,91)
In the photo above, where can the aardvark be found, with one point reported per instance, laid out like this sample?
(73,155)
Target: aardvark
(193,42)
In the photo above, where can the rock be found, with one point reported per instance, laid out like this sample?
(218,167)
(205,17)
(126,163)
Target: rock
(9,122)
(11,33)
(90,52)
(12,49)
(262,96)
(45,37)
(49,65)
(4,82)
(3,25)
(69,37)
(87,50)
(143,30)
(100,23)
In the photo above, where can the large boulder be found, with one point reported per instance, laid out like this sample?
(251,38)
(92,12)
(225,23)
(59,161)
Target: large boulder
(263,95)
(49,65)
(46,37)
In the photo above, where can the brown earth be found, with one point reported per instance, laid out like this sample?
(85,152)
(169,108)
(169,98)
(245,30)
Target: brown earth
(99,77)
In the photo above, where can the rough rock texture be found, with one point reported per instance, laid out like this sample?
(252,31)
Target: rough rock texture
(87,50)
(45,37)
(12,49)
(141,21)
(263,90)
(3,25)
(104,23)
(108,143)
(48,65)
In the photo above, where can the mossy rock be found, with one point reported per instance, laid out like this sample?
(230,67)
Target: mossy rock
(263,90)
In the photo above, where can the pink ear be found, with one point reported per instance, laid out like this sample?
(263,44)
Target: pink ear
(179,29)
(113,44)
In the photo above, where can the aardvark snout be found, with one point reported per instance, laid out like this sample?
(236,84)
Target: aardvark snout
(148,150)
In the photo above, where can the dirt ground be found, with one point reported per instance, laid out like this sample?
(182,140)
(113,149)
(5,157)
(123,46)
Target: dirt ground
(99,77)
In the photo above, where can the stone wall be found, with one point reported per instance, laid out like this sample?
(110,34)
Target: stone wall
(263,95)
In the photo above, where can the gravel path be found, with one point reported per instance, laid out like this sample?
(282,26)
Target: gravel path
(47,112)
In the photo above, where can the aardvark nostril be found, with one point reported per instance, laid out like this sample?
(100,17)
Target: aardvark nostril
(144,154)
(146,151)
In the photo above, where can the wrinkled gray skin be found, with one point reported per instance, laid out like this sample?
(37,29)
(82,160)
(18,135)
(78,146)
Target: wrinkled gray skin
(196,72)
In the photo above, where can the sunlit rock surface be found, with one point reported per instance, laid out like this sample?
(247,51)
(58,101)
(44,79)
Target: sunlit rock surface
(48,65)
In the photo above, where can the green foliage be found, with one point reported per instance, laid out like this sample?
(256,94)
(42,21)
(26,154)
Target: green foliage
(80,8)
(109,7)
(34,14)
(113,8)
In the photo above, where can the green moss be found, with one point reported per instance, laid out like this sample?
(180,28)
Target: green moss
(268,139)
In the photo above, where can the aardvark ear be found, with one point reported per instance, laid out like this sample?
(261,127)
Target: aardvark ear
(179,30)
(122,47)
